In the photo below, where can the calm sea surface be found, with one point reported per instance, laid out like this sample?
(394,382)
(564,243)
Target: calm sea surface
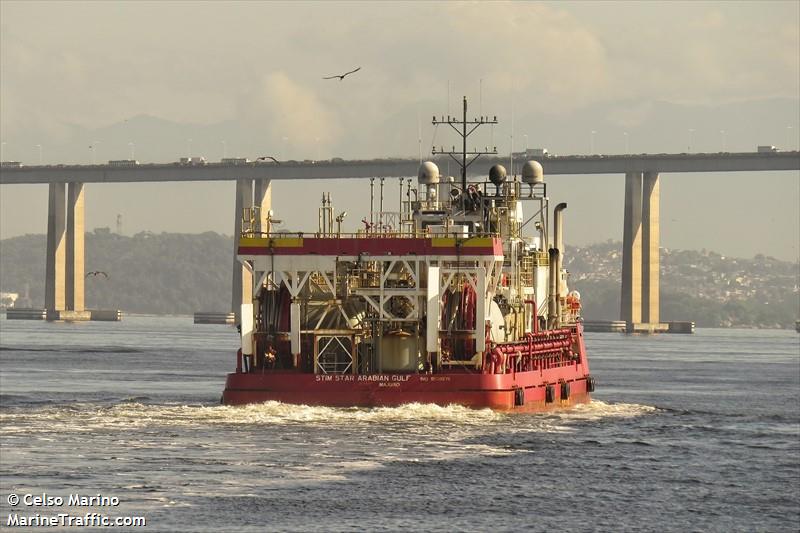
(686,433)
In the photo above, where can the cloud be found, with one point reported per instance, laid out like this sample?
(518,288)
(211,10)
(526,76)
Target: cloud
(90,64)
(710,20)
(541,54)
(286,108)
(704,52)
(538,52)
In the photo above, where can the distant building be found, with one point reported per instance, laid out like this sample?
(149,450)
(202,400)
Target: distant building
(8,299)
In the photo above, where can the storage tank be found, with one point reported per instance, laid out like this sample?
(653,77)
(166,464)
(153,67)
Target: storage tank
(399,352)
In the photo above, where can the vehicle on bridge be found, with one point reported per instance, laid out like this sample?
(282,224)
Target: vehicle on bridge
(193,160)
(234,160)
(123,163)
(444,302)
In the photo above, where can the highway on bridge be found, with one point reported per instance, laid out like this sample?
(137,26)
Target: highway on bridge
(378,168)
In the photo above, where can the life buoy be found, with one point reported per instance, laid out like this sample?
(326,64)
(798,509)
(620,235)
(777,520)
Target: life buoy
(573,300)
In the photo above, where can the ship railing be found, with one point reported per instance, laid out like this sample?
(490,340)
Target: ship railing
(254,224)
(539,351)
(511,190)
(520,363)
(248,231)
(526,271)
(387,224)
(250,221)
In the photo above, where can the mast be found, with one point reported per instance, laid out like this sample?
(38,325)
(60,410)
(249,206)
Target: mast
(464,151)
(467,128)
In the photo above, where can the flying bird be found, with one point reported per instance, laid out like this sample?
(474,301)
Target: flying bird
(97,273)
(265,157)
(341,76)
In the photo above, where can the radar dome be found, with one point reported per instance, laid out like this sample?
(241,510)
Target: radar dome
(428,173)
(497,174)
(532,172)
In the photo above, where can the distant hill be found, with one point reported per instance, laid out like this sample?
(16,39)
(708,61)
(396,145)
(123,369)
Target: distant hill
(171,273)
(634,126)
(167,273)
(711,289)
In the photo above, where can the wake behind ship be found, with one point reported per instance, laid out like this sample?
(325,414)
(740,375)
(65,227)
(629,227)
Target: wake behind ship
(445,301)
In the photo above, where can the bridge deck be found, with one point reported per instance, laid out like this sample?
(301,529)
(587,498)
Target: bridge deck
(598,164)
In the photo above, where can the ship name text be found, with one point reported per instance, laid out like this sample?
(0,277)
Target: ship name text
(336,378)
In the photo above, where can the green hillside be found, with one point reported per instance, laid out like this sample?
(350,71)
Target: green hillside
(171,273)
(167,273)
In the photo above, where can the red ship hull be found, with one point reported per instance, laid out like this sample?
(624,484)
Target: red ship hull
(549,381)
(568,386)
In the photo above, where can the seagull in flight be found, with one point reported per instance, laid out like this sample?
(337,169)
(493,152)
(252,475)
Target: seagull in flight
(341,76)
(265,157)
(97,273)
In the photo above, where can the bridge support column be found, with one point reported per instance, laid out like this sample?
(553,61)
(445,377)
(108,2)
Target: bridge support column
(75,249)
(263,200)
(242,282)
(631,298)
(650,252)
(54,292)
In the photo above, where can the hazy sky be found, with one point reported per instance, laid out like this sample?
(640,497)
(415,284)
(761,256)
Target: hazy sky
(96,63)
(71,69)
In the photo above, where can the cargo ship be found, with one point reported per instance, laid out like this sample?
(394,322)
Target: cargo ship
(459,297)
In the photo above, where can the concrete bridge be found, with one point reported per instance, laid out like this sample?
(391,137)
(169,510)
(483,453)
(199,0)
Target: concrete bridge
(641,263)
(376,168)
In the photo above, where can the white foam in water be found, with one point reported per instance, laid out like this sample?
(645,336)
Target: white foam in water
(591,412)
(89,417)
(597,409)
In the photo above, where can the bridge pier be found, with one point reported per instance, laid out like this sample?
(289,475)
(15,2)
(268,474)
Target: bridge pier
(64,274)
(631,300)
(249,193)
(650,253)
(639,302)
(263,200)
(74,290)
(55,275)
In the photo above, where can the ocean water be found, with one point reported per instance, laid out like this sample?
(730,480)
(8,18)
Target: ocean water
(685,433)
